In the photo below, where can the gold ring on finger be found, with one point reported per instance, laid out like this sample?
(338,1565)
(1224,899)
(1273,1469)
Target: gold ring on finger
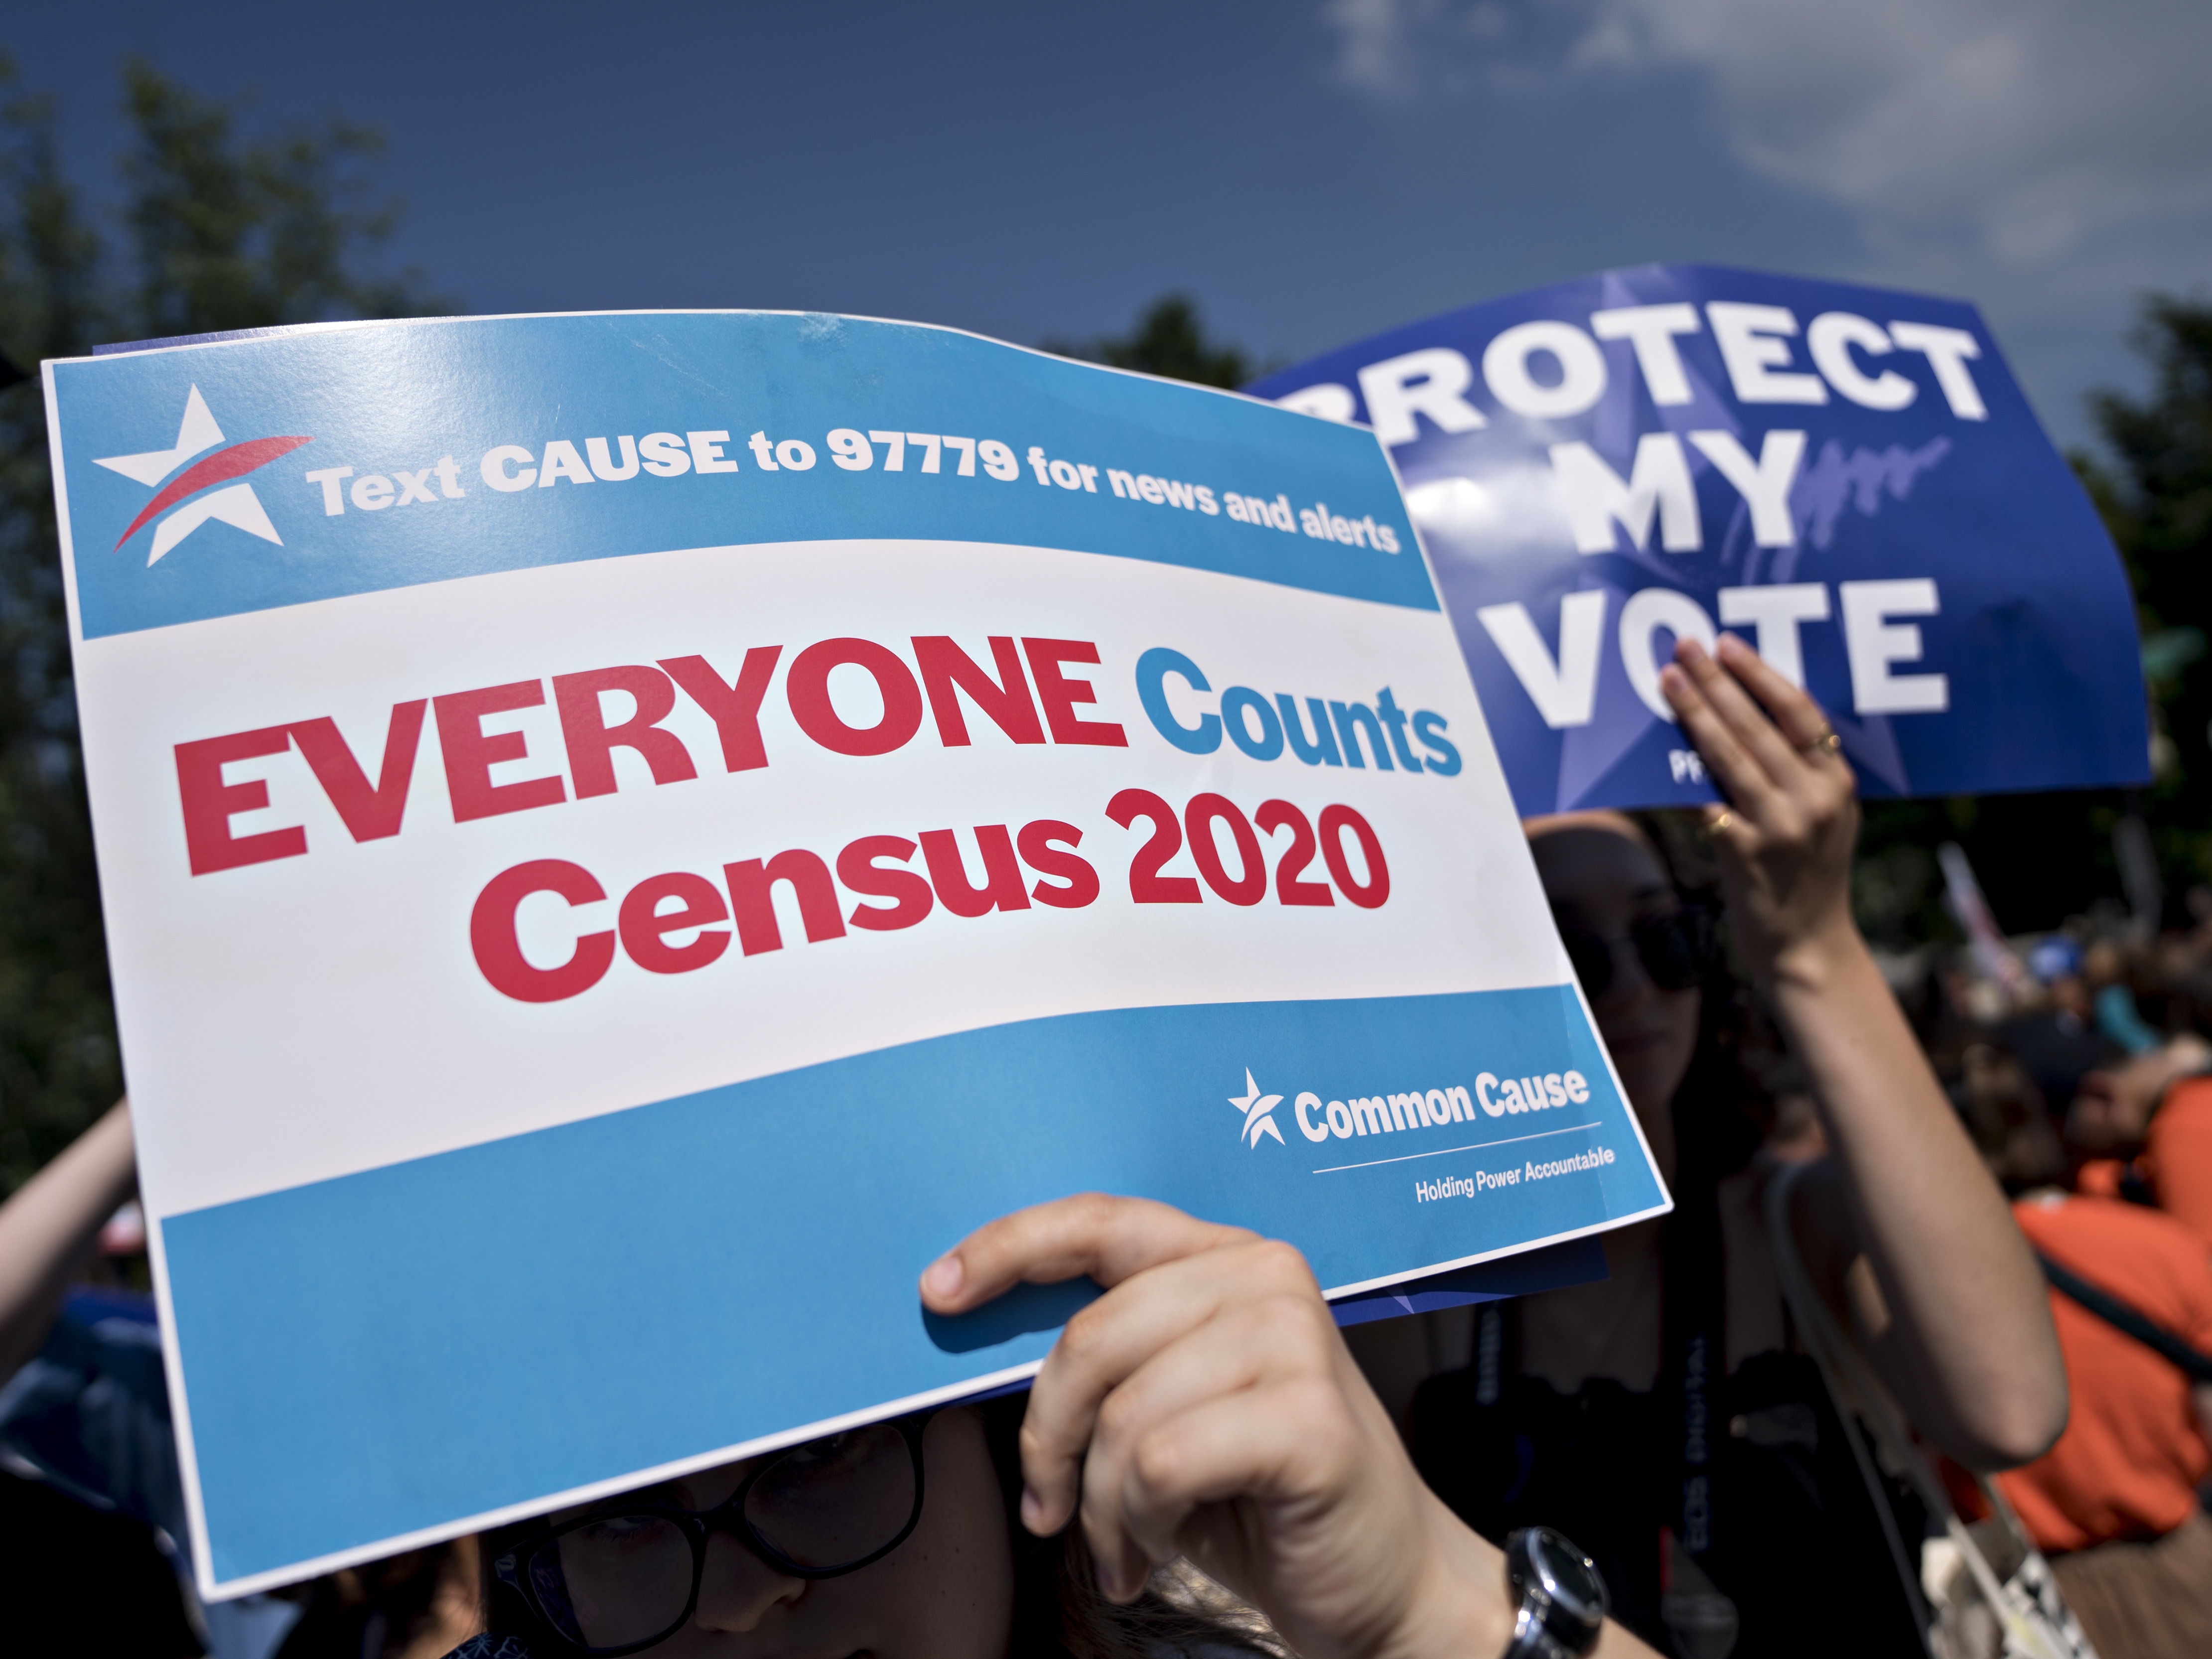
(1824,746)
(1723,820)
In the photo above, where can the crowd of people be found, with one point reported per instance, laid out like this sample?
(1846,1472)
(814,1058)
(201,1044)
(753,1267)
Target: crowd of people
(2086,1084)
(1918,1364)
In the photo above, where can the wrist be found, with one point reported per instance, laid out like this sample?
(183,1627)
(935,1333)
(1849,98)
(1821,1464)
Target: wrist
(1815,962)
(1460,1604)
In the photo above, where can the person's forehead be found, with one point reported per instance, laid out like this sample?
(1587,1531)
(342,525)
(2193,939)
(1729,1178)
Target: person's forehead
(700,1489)
(1594,858)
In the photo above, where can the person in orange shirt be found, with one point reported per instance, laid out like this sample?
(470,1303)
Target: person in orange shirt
(2177,1157)
(2114,1503)
(2146,1128)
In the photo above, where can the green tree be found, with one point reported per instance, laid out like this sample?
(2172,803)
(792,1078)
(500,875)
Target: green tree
(2157,501)
(1168,340)
(219,228)
(2159,505)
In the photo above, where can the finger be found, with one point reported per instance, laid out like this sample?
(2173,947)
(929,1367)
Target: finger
(1283,1332)
(1800,718)
(1108,1238)
(1187,1376)
(1109,1341)
(1716,677)
(1815,755)
(1282,1441)
(1725,825)
(1740,777)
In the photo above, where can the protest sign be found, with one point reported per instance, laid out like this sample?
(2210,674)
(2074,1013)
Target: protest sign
(1847,476)
(624,835)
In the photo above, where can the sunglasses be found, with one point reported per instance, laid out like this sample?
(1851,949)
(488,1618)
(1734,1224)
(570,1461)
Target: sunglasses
(626,1575)
(1677,950)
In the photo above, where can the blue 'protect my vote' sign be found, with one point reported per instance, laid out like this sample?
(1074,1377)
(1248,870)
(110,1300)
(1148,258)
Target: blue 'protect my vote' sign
(1848,476)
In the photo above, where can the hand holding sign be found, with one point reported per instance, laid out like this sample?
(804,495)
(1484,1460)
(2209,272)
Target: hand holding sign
(1785,837)
(1207,1406)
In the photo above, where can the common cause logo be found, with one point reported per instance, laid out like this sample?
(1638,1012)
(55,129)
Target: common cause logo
(205,490)
(1259,1112)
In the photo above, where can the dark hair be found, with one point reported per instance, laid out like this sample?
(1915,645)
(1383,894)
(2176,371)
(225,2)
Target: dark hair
(1058,1613)
(1724,1105)
(378,1607)
(1058,1608)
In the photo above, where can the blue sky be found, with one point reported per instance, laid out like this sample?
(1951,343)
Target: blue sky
(1311,171)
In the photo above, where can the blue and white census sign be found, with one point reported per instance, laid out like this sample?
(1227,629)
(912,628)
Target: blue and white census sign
(625,836)
(1848,476)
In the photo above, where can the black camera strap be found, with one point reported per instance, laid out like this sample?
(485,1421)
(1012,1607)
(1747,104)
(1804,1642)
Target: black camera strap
(1693,1321)
(2123,1316)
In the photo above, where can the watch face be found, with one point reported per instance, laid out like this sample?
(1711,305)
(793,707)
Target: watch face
(1568,1576)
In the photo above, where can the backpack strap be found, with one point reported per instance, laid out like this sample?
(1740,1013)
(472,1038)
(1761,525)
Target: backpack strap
(2125,1317)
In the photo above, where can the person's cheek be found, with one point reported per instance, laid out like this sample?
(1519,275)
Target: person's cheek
(949,1592)
(1676,1043)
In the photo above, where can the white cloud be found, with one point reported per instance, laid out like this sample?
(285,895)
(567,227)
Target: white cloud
(1398,49)
(2029,124)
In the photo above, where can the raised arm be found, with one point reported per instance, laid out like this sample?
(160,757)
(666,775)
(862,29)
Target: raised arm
(1916,1238)
(1206,1406)
(48,1230)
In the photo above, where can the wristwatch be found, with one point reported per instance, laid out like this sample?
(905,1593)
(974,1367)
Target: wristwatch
(1562,1596)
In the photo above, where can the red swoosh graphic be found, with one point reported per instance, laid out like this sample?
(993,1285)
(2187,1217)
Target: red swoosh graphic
(218,468)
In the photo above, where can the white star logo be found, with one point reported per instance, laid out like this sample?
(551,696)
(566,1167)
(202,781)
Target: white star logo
(236,504)
(1259,1111)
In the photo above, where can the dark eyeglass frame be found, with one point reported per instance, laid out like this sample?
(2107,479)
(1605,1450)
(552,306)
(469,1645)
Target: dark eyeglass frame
(698,1527)
(1677,950)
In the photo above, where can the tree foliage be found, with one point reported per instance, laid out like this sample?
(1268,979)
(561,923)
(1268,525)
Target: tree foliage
(2160,507)
(217,228)
(2157,501)
(1168,340)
